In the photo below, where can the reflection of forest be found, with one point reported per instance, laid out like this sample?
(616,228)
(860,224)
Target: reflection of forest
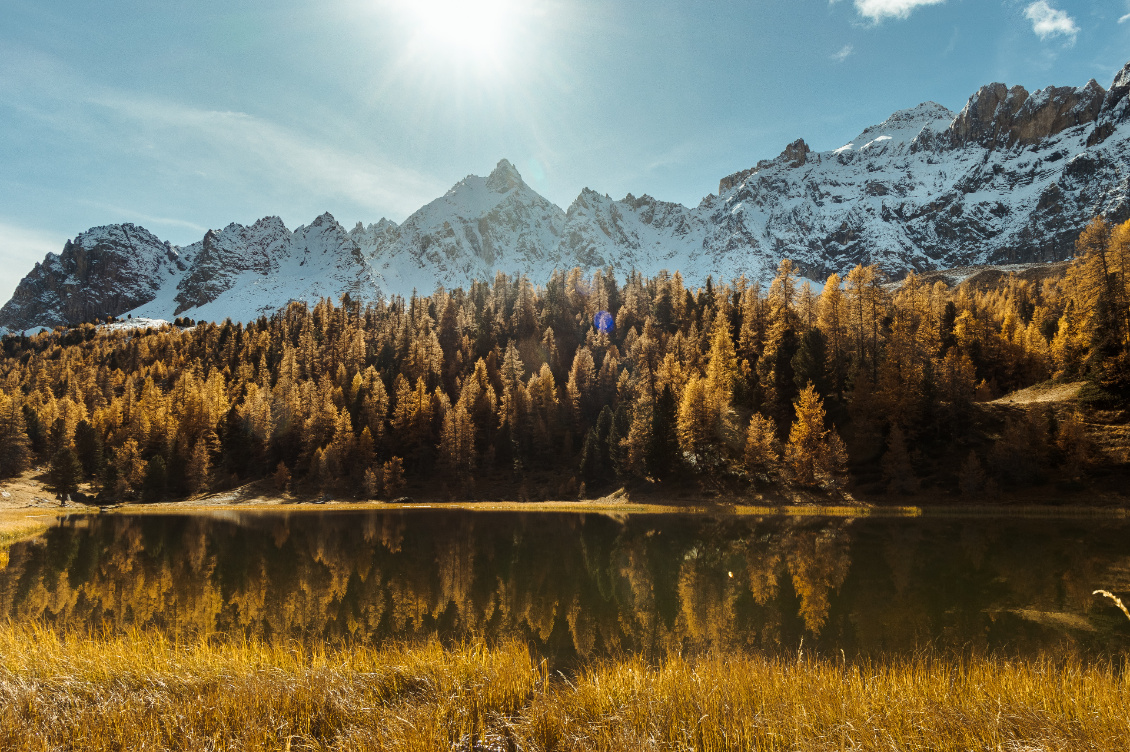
(584,585)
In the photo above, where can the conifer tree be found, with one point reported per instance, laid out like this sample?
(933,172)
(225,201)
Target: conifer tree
(88,448)
(809,456)
(156,479)
(392,477)
(722,364)
(581,388)
(662,445)
(36,433)
(831,319)
(697,419)
(835,465)
(515,408)
(109,483)
(130,467)
(1015,455)
(481,403)
(457,443)
(618,440)
(971,478)
(282,478)
(1074,445)
(65,473)
(14,445)
(809,363)
(751,335)
(199,468)
(898,473)
(762,449)
(593,457)
(865,309)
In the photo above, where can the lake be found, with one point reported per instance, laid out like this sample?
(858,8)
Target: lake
(577,587)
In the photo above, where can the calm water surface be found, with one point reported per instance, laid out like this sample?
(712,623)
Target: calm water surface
(577,587)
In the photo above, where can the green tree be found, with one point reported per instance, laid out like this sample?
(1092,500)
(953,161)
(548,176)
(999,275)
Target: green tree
(593,458)
(153,487)
(64,473)
(897,469)
(14,446)
(88,447)
(662,440)
(809,363)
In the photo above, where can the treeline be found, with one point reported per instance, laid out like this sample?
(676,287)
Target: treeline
(595,380)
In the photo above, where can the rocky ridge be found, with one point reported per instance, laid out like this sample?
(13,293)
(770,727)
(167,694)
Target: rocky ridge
(1012,178)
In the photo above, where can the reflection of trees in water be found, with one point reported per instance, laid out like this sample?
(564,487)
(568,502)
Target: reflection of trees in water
(569,584)
(818,562)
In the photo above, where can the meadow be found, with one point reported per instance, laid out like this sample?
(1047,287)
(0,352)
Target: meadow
(143,691)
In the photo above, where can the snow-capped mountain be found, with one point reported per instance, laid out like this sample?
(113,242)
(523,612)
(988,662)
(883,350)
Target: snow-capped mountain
(479,226)
(1013,177)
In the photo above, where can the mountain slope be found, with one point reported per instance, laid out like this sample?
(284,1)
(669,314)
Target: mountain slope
(481,225)
(1011,178)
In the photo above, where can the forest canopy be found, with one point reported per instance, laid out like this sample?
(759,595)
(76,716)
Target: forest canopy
(587,380)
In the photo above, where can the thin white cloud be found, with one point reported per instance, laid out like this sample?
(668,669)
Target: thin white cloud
(1124,19)
(262,149)
(1049,22)
(877,10)
(231,152)
(843,54)
(20,249)
(149,220)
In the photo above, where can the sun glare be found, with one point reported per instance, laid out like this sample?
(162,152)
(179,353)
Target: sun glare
(476,31)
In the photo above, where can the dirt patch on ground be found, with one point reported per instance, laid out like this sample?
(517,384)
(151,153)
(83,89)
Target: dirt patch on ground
(27,508)
(1042,394)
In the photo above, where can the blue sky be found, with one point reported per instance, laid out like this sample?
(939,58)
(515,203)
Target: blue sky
(184,116)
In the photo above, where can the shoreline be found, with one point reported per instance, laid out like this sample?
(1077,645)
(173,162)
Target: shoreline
(268,505)
(26,512)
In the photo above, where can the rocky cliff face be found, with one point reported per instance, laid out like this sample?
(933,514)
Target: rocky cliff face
(999,117)
(221,258)
(478,227)
(1011,178)
(104,270)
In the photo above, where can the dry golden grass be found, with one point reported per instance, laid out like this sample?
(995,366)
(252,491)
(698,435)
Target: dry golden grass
(18,525)
(143,692)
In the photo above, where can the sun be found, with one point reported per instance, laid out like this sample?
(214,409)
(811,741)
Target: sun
(468,31)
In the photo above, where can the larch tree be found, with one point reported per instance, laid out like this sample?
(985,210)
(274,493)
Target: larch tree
(199,468)
(481,403)
(898,472)
(1074,445)
(14,445)
(762,449)
(581,388)
(832,320)
(865,306)
(722,364)
(457,443)
(697,419)
(810,457)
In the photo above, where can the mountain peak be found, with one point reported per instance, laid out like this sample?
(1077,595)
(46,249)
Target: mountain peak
(504,178)
(924,189)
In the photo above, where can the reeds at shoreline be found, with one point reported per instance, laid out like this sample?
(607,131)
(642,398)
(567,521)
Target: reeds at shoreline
(142,691)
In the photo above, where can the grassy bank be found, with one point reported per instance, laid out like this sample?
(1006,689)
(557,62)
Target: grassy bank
(142,692)
(18,525)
